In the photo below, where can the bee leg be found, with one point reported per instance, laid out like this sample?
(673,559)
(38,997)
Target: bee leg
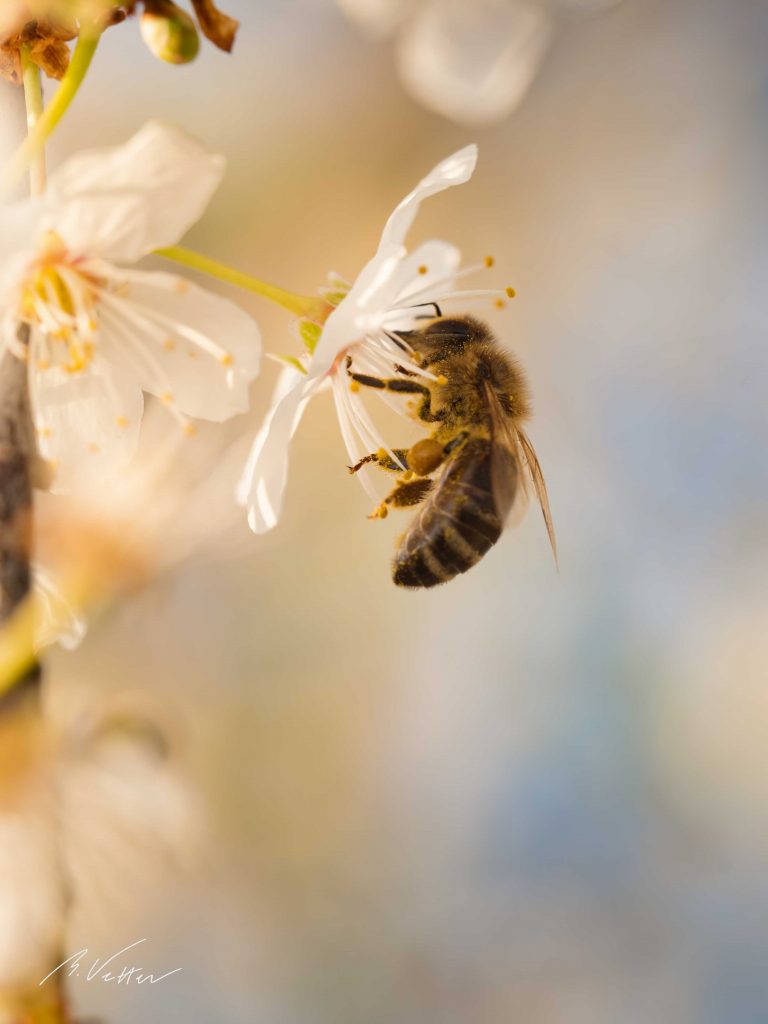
(455,442)
(405,495)
(383,459)
(402,387)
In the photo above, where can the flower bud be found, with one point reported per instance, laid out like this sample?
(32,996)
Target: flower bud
(169,32)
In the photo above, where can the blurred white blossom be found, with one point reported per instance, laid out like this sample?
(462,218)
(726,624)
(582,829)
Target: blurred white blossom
(471,61)
(101,333)
(391,293)
(82,806)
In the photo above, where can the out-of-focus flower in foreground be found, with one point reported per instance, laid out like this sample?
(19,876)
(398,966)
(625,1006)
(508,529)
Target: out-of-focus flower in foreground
(81,805)
(470,60)
(100,333)
(392,292)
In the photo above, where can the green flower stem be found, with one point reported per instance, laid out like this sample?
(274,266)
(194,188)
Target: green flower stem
(33,96)
(33,145)
(302,305)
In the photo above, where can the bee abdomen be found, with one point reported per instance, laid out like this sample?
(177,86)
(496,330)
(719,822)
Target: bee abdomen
(457,525)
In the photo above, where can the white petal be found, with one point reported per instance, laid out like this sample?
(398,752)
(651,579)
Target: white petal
(18,236)
(122,202)
(181,341)
(61,623)
(454,170)
(88,422)
(33,890)
(473,62)
(432,262)
(262,484)
(379,16)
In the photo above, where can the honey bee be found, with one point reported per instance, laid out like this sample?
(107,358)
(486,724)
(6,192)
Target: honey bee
(477,400)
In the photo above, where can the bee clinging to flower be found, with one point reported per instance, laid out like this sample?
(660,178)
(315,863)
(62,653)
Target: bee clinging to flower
(476,402)
(387,333)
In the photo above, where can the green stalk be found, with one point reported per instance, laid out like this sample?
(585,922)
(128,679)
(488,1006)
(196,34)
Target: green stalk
(33,97)
(302,305)
(29,151)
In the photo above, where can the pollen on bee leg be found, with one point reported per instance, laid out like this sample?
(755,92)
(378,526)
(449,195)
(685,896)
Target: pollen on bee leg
(381,512)
(442,380)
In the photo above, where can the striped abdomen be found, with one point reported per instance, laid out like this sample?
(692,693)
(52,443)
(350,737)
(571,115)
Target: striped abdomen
(459,521)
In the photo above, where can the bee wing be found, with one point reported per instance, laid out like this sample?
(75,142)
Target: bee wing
(539,486)
(515,470)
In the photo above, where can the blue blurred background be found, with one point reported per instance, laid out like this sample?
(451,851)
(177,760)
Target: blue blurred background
(527,796)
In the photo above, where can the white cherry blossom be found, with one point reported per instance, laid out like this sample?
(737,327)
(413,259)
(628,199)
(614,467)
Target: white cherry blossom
(471,61)
(393,290)
(100,332)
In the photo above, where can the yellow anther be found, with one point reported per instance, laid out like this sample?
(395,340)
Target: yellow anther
(354,386)
(511,293)
(423,269)
(121,422)
(169,344)
(227,359)
(489,261)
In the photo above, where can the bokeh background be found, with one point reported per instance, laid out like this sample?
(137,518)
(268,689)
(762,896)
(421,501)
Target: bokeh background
(526,796)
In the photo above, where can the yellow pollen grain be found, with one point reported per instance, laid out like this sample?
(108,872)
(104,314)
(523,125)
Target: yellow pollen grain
(190,429)
(167,397)
(227,359)
(354,386)
(44,432)
(169,344)
(93,447)
(43,364)
(423,269)
(181,286)
(510,292)
(192,353)
(489,261)
(500,304)
(121,422)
